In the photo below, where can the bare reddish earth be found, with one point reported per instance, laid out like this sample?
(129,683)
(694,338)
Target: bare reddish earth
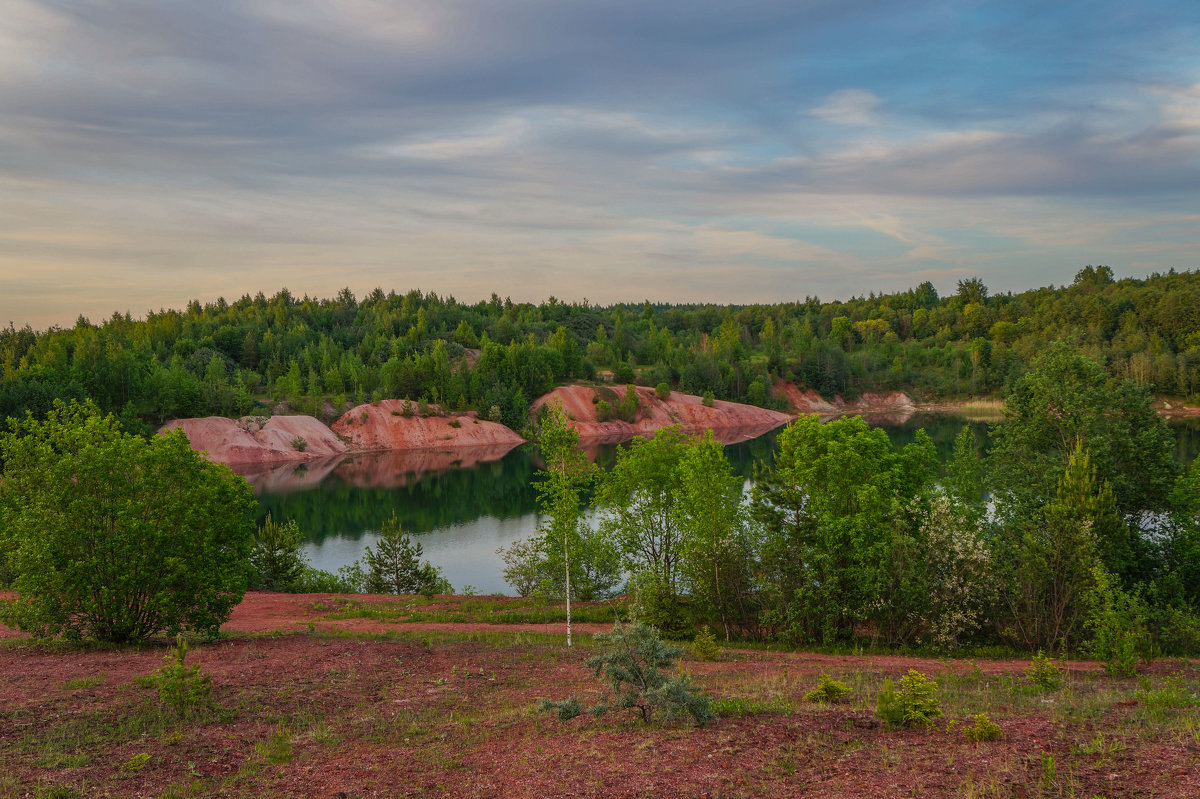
(895,407)
(253,440)
(383,426)
(729,421)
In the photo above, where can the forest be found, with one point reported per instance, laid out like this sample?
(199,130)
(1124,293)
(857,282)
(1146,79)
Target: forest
(315,355)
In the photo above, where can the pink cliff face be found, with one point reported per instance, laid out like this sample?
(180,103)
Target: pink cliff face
(255,439)
(383,426)
(729,421)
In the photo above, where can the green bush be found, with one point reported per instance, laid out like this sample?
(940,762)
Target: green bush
(181,686)
(984,729)
(117,537)
(828,691)
(662,391)
(916,702)
(707,399)
(1044,673)
(631,660)
(705,646)
(299,443)
(1118,623)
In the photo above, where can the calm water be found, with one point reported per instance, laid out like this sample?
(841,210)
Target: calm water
(464,506)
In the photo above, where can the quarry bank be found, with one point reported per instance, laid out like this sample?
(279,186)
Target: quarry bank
(394,425)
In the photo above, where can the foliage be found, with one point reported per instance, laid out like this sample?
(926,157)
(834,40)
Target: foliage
(984,729)
(631,660)
(1053,562)
(117,537)
(950,573)
(716,551)
(662,391)
(639,500)
(181,686)
(827,510)
(1118,625)
(395,567)
(705,646)
(828,691)
(1066,405)
(276,557)
(914,704)
(299,443)
(1044,672)
(567,556)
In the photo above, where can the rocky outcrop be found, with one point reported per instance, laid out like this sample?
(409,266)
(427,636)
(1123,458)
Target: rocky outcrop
(383,426)
(729,421)
(895,407)
(259,439)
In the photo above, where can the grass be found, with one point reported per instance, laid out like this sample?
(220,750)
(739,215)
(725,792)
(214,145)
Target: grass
(485,610)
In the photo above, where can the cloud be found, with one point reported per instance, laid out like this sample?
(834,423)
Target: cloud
(849,107)
(595,147)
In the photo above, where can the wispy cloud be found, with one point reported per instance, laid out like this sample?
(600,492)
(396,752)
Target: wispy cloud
(154,150)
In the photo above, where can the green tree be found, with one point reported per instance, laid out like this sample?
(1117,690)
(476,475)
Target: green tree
(828,509)
(639,500)
(1053,559)
(276,558)
(1067,400)
(564,532)
(394,566)
(116,537)
(717,552)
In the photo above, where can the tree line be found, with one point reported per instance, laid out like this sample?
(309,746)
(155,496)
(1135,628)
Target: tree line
(496,356)
(1076,531)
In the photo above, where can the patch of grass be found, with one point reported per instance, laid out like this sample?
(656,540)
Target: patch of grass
(277,747)
(737,707)
(90,681)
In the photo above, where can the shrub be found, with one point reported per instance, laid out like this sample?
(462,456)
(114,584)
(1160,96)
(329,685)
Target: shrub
(299,443)
(984,729)
(406,410)
(662,391)
(181,686)
(455,423)
(494,414)
(707,399)
(603,411)
(1118,625)
(705,646)
(276,558)
(916,702)
(1044,673)
(828,691)
(631,660)
(117,537)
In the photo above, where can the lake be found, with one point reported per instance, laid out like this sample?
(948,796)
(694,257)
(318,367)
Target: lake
(464,505)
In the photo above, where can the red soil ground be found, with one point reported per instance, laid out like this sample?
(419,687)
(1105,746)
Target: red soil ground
(402,716)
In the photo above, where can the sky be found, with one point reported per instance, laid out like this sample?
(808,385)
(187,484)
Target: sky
(155,151)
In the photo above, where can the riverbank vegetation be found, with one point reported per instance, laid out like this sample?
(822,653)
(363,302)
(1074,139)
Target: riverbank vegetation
(1077,532)
(497,356)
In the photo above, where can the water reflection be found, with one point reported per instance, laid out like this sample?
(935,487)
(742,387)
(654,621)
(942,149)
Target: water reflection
(464,503)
